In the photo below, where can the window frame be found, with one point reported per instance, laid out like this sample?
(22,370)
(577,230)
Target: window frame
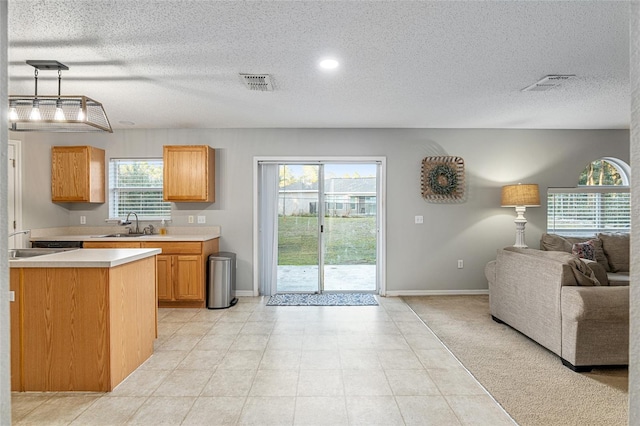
(114,192)
(602,206)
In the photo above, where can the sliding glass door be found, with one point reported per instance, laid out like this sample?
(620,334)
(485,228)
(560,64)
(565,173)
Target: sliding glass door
(350,231)
(327,227)
(298,228)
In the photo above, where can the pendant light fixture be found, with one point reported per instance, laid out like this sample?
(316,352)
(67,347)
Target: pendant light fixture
(53,113)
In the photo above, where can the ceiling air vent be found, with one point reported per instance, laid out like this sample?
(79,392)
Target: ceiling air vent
(261,82)
(548,83)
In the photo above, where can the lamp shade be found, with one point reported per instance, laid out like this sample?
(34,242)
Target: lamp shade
(55,113)
(526,195)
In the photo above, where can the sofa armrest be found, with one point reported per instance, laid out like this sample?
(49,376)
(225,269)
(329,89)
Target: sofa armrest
(595,325)
(599,303)
(490,272)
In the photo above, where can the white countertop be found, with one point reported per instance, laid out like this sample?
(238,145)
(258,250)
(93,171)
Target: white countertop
(84,258)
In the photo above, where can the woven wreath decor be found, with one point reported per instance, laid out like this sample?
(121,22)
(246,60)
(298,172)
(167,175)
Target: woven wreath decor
(442,179)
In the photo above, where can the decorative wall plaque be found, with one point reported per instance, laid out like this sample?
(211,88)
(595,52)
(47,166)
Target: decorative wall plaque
(442,179)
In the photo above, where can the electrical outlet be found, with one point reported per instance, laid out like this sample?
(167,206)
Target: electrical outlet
(419,219)
(202,219)
(190,219)
(460,264)
(83,220)
(12,296)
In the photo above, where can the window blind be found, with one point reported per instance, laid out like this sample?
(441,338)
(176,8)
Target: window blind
(585,211)
(135,185)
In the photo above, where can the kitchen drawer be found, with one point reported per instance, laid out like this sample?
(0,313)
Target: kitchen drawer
(111,244)
(175,248)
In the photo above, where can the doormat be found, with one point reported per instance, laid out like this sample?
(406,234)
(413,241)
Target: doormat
(341,299)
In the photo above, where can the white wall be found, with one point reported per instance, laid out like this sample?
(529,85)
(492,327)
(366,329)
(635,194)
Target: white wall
(634,289)
(419,257)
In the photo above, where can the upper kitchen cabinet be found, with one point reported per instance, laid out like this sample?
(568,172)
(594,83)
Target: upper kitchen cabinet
(189,173)
(77,174)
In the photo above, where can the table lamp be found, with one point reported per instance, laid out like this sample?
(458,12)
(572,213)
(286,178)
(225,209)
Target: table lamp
(520,196)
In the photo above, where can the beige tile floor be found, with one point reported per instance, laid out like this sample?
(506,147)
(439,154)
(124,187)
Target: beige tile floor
(263,365)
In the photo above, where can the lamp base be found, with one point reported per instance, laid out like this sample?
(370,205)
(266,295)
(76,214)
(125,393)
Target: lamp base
(520,223)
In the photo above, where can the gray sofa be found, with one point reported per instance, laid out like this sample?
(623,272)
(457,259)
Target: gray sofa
(556,299)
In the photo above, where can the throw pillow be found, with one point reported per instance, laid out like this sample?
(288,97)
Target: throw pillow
(616,248)
(599,271)
(583,273)
(584,250)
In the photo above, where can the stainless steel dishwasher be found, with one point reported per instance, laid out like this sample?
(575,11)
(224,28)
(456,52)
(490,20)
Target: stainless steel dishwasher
(56,244)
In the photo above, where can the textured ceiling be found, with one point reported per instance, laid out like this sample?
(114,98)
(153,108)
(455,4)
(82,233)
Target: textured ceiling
(175,64)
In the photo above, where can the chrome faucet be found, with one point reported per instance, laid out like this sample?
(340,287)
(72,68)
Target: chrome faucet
(26,231)
(126,222)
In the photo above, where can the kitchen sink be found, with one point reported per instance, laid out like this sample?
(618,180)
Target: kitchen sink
(33,252)
(122,235)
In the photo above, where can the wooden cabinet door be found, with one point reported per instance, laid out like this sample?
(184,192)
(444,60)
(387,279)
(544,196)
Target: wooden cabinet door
(164,272)
(188,278)
(77,174)
(189,173)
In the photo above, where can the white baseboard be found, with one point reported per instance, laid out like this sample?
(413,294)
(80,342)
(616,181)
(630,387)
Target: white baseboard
(435,292)
(245,293)
(396,293)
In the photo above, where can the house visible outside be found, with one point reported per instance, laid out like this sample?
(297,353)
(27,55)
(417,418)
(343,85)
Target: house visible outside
(344,197)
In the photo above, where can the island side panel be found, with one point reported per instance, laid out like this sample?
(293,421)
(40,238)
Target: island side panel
(133,314)
(64,317)
(16,344)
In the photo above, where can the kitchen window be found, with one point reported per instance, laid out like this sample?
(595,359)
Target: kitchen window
(135,185)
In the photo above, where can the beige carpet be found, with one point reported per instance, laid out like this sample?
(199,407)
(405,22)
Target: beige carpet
(525,378)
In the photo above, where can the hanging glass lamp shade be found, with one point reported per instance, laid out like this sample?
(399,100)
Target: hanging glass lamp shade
(55,113)
(81,114)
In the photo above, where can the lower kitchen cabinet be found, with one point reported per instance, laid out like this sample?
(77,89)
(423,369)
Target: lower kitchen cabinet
(181,269)
(180,278)
(164,277)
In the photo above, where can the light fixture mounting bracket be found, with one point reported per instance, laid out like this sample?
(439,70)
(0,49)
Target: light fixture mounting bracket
(47,65)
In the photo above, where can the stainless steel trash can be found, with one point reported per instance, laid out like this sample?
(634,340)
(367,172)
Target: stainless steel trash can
(221,286)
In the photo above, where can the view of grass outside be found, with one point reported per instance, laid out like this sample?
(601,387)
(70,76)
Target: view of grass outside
(348,240)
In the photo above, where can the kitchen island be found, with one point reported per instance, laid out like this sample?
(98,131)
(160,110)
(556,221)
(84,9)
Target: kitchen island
(82,320)
(181,268)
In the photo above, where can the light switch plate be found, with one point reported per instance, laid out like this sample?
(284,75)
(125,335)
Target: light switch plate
(190,219)
(83,220)
(419,219)
(202,219)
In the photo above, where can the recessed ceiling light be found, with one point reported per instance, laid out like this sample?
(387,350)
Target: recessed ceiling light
(329,64)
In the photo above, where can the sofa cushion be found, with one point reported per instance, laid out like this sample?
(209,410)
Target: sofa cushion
(584,250)
(554,242)
(618,278)
(616,248)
